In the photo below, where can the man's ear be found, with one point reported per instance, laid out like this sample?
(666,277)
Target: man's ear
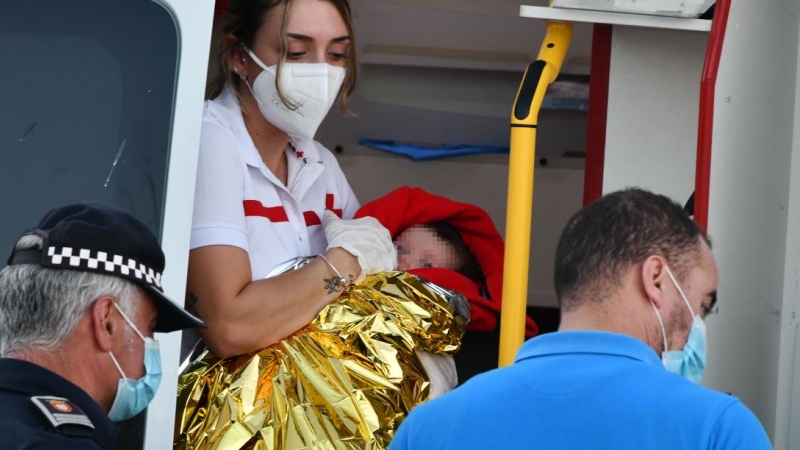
(652,275)
(103,328)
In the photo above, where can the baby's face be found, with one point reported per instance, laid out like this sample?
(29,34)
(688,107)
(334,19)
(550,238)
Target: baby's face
(419,246)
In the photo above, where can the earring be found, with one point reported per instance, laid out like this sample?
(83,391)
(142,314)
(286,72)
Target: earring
(236,70)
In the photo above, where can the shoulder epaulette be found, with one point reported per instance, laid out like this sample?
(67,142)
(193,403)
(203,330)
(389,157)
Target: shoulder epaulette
(65,416)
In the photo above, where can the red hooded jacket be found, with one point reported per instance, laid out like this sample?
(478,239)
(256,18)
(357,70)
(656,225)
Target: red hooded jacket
(408,206)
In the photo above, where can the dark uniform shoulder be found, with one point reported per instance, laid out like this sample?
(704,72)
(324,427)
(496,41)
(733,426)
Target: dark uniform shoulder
(41,409)
(43,422)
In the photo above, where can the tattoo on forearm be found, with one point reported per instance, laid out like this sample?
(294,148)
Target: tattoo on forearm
(191,300)
(333,285)
(338,284)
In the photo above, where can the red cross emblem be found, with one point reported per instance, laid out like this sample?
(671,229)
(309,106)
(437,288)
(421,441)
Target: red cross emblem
(299,154)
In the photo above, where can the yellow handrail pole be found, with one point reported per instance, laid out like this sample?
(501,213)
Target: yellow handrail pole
(524,120)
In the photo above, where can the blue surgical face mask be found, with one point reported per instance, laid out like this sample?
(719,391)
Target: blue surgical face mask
(690,362)
(133,396)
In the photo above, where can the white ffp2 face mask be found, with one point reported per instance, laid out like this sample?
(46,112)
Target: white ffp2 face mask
(310,87)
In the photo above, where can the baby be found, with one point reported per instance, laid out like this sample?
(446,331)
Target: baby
(436,245)
(455,245)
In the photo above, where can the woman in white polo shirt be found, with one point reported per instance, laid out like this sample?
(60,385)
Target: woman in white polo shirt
(266,191)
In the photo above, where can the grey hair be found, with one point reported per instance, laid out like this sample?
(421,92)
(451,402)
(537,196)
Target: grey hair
(40,307)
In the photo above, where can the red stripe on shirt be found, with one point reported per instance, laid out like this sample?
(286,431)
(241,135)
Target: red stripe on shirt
(275,214)
(254,208)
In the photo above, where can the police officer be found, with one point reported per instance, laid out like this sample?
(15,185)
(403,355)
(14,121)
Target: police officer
(79,302)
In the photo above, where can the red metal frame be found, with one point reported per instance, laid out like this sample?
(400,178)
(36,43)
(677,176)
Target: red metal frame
(705,129)
(598,113)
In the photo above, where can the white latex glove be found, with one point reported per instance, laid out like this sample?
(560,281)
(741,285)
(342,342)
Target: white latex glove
(364,238)
(441,372)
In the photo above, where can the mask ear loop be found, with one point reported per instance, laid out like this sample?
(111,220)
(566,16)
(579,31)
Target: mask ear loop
(245,79)
(256,59)
(663,330)
(130,322)
(113,359)
(680,291)
(247,83)
(117,364)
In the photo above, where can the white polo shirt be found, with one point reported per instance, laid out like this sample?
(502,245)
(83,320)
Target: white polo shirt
(239,201)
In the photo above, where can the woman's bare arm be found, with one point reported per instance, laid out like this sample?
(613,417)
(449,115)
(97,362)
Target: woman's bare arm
(244,315)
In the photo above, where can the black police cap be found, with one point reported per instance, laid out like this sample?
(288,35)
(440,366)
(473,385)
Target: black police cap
(93,237)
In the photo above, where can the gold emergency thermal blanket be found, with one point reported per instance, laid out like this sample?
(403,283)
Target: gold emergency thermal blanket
(346,381)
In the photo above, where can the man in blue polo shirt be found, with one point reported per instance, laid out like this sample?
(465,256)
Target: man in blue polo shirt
(635,277)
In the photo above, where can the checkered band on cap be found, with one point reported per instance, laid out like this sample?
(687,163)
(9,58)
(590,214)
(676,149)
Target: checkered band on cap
(102,262)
